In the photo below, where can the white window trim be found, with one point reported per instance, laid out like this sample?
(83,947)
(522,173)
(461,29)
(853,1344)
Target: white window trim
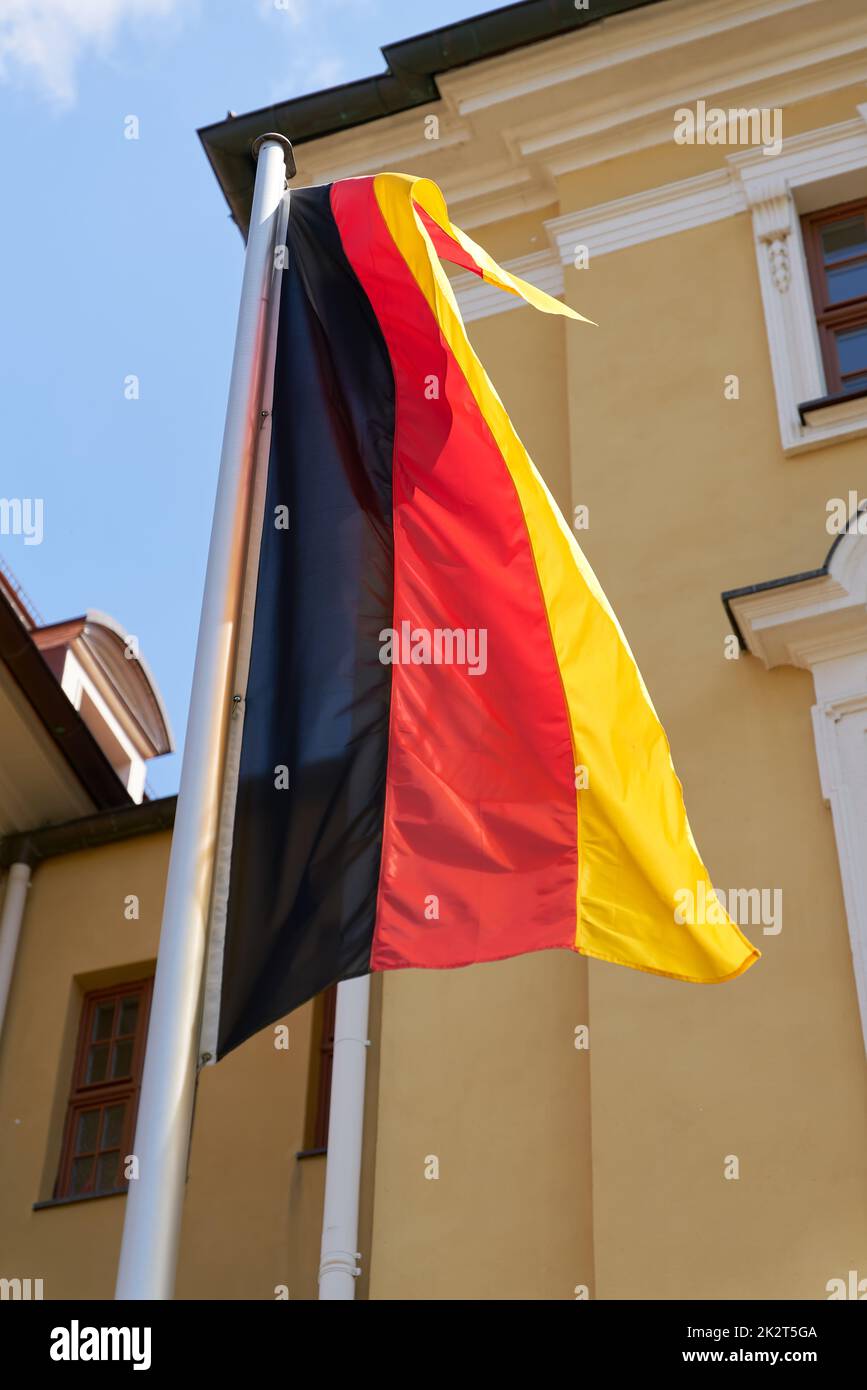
(819,622)
(771,187)
(75,682)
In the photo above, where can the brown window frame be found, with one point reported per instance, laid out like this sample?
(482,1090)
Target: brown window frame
(319,1105)
(89,1095)
(848,313)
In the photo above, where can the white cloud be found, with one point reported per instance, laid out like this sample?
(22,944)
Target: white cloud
(293,10)
(42,41)
(315,57)
(307,76)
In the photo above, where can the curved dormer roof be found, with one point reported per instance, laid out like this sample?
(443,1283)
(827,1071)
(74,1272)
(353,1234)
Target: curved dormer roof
(120,674)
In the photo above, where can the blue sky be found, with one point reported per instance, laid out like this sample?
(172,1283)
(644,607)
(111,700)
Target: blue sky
(117,257)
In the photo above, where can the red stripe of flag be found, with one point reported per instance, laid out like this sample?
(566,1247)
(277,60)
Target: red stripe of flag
(480,814)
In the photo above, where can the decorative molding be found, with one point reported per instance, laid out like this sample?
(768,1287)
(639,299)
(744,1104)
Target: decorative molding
(819,622)
(772,221)
(503,192)
(479,300)
(816,154)
(796,360)
(799,623)
(401,142)
(499,207)
(623,105)
(627,38)
(658,212)
(749,182)
(778,258)
(609,129)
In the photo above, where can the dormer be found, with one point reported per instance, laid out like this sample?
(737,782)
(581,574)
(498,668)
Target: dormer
(108,682)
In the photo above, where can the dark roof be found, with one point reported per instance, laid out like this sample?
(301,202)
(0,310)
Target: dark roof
(88,832)
(412,66)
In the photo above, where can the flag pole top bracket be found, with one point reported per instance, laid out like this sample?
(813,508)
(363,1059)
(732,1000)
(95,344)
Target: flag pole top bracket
(281,140)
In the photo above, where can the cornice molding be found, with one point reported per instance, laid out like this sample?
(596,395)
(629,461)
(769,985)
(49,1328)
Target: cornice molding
(657,212)
(802,623)
(349,157)
(750,182)
(517,163)
(626,38)
(611,128)
(816,154)
(810,618)
(498,207)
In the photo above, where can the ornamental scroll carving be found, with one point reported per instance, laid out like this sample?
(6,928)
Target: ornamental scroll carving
(772,212)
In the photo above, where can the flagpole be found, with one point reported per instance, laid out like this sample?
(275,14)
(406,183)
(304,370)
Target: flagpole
(151,1231)
(338,1268)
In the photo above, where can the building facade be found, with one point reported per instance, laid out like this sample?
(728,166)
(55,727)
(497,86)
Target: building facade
(692,176)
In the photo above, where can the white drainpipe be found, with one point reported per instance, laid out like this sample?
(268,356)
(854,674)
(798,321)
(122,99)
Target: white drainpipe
(339,1269)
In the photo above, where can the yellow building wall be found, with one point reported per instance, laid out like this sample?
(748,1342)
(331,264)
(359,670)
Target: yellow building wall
(689,495)
(479,1072)
(557,1168)
(252,1217)
(478,1067)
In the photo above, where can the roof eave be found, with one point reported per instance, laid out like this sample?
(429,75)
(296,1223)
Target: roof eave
(409,80)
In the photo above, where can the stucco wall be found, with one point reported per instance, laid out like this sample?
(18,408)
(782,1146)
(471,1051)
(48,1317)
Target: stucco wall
(252,1217)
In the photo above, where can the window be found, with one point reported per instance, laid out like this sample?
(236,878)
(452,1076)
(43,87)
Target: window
(807,281)
(321,1062)
(836,244)
(106,1078)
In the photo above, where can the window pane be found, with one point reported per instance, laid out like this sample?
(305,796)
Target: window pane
(80,1176)
(88,1129)
(847,282)
(129,1012)
(845,238)
(106,1172)
(852,349)
(97,1063)
(122,1063)
(855,383)
(103,1015)
(112,1126)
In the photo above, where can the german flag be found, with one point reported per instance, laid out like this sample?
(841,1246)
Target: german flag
(448,752)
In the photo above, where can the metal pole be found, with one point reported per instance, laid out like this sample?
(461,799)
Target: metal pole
(151,1230)
(338,1267)
(17,884)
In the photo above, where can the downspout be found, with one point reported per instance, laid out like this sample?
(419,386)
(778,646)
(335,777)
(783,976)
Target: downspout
(339,1268)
